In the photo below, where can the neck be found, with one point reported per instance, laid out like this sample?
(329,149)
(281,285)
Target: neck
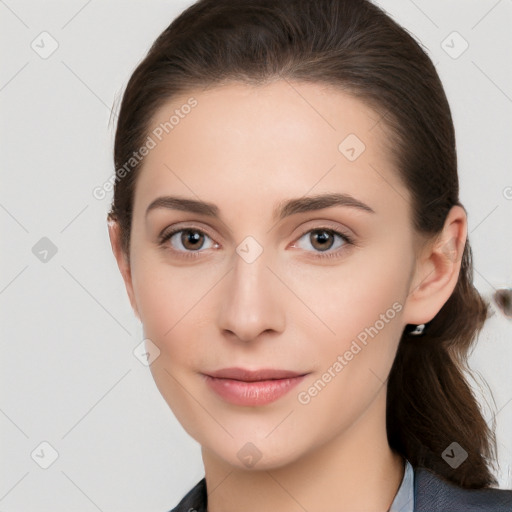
(354,471)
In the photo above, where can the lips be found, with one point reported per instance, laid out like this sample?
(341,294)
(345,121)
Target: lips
(245,375)
(252,388)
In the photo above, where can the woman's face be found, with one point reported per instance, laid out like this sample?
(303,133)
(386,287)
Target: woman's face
(262,280)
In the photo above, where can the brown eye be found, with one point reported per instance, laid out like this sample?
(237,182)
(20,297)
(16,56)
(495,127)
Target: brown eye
(324,243)
(191,239)
(187,240)
(321,239)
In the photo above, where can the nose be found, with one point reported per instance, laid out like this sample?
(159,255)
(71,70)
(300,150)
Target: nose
(253,300)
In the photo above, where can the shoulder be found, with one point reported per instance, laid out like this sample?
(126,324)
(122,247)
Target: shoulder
(194,500)
(432,493)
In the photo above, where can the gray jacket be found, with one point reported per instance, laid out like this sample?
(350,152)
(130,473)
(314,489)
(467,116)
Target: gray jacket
(431,494)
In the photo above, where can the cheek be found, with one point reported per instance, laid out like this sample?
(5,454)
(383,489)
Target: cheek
(172,303)
(342,301)
(168,304)
(356,340)
(159,300)
(161,291)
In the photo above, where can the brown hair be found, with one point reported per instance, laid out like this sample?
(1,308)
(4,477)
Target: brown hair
(356,47)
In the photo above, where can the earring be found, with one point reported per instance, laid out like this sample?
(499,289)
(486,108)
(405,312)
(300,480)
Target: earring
(418,330)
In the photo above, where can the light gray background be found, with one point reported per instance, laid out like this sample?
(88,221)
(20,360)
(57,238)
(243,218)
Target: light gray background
(68,373)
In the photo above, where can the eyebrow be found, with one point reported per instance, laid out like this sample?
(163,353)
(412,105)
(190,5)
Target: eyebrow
(282,210)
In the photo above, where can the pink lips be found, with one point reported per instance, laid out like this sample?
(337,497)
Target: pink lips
(246,387)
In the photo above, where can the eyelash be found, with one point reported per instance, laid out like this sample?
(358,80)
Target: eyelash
(349,241)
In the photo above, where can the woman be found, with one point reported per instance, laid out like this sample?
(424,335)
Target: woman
(287,223)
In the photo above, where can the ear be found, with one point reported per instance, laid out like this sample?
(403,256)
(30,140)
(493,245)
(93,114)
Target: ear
(114,233)
(437,270)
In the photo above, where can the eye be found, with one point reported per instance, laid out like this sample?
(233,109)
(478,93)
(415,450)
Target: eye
(186,240)
(324,240)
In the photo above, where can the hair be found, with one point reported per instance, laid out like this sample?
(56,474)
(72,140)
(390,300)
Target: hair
(356,47)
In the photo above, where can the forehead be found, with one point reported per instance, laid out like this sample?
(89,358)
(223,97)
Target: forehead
(266,142)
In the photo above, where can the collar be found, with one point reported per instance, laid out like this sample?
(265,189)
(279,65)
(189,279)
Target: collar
(404,499)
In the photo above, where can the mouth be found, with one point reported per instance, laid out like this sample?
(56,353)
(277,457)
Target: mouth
(239,386)
(245,375)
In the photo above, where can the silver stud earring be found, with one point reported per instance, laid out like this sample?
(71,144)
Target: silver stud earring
(418,330)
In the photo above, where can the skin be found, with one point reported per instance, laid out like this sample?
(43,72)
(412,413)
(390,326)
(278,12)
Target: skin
(245,149)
